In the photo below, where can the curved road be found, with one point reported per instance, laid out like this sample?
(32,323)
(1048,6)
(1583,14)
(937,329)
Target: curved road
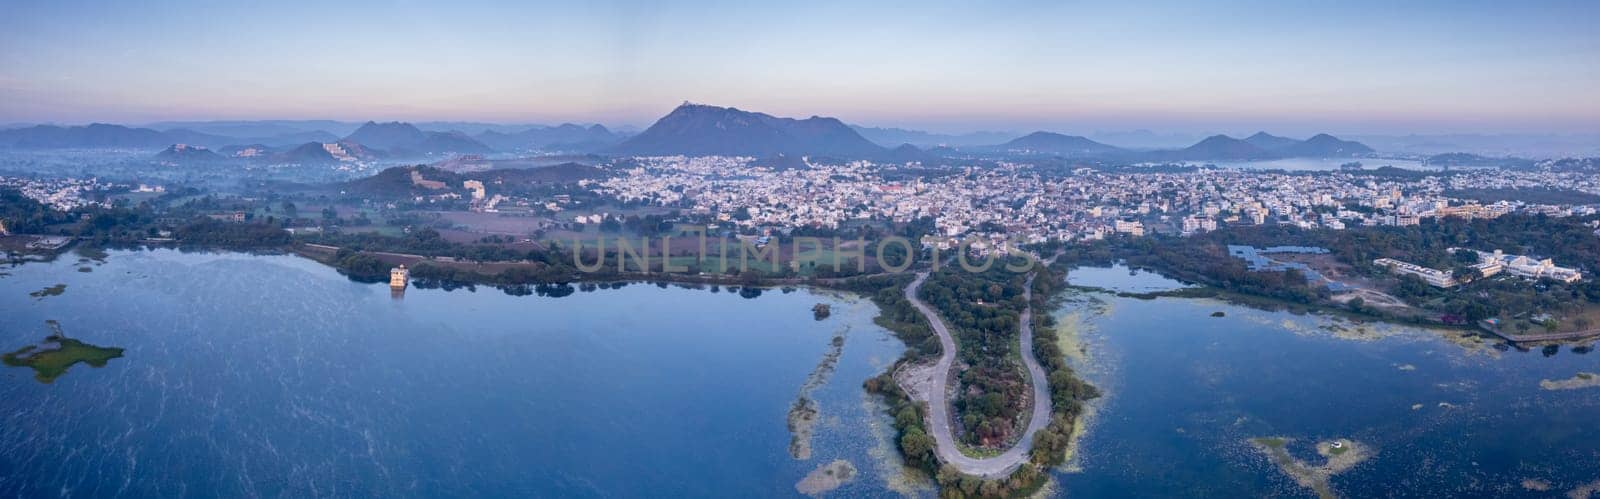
(939,405)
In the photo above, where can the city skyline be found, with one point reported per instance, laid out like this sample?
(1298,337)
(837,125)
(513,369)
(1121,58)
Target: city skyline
(1353,68)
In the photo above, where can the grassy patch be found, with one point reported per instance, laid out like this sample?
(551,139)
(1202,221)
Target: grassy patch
(55,290)
(1273,442)
(51,363)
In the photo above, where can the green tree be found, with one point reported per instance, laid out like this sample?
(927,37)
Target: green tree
(916,445)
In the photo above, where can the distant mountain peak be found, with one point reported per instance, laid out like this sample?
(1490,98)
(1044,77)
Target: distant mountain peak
(1224,147)
(1323,145)
(1056,143)
(1261,135)
(703,130)
(94,135)
(1269,141)
(185,153)
(564,137)
(405,139)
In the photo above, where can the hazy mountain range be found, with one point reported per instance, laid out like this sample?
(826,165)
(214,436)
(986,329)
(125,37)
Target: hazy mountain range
(892,137)
(285,141)
(567,136)
(1057,144)
(697,129)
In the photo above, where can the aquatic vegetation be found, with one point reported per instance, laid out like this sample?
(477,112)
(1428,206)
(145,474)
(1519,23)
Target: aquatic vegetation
(803,413)
(1585,491)
(51,358)
(826,478)
(821,311)
(55,290)
(1341,455)
(891,468)
(91,253)
(1272,442)
(1577,381)
(1536,484)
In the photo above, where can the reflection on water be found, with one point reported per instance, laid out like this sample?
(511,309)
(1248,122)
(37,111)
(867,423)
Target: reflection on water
(252,375)
(1187,392)
(275,376)
(1258,260)
(1120,278)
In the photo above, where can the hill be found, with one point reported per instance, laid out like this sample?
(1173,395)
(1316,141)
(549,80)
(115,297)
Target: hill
(1055,143)
(187,154)
(1323,145)
(566,136)
(563,173)
(1451,159)
(218,142)
(1223,147)
(246,151)
(93,136)
(445,143)
(399,182)
(309,153)
(291,138)
(391,135)
(701,130)
(907,153)
(403,139)
(1270,142)
(890,136)
(260,128)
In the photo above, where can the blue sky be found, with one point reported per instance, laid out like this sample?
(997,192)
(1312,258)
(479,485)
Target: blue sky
(1288,66)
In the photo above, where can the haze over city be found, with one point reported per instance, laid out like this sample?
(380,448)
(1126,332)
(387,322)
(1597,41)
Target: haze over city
(1348,67)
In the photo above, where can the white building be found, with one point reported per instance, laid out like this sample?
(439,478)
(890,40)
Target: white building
(1434,277)
(1524,267)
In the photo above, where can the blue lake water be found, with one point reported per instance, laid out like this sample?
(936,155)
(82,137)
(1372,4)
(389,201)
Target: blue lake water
(273,375)
(1122,279)
(1258,260)
(1186,390)
(1316,164)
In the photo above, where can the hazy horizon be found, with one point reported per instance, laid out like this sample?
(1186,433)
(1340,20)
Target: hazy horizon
(1353,68)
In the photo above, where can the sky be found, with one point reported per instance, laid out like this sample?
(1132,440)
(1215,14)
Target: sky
(1287,66)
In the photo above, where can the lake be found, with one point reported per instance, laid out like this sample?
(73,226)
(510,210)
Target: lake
(1320,164)
(1443,417)
(273,375)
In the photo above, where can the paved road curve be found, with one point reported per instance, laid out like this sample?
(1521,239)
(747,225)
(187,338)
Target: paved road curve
(939,405)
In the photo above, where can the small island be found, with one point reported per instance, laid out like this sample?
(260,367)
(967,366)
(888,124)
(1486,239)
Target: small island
(826,478)
(1577,381)
(51,358)
(1341,455)
(55,290)
(821,311)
